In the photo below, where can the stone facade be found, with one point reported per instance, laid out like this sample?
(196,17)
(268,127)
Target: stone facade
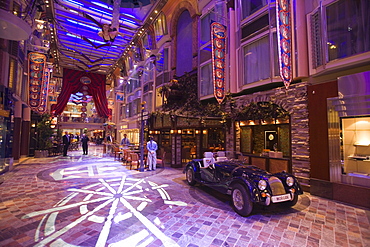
(295,101)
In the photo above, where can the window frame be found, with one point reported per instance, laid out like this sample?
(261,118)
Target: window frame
(160,30)
(203,46)
(327,65)
(274,76)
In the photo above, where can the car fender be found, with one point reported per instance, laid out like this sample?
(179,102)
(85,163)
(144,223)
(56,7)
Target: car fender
(248,186)
(283,175)
(194,164)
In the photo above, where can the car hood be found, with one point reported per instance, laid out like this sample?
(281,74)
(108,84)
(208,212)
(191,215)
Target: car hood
(237,169)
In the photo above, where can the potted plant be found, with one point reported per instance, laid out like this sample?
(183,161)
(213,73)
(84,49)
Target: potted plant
(44,136)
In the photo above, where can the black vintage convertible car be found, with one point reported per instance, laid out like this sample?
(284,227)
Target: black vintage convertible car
(227,173)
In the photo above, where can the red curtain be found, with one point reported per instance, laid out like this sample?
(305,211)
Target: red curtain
(72,83)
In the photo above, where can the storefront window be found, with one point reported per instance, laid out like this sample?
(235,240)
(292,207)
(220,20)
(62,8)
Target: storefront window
(260,139)
(215,139)
(356,146)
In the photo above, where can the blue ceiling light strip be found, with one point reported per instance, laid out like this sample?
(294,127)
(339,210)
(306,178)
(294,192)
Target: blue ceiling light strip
(101,11)
(102,5)
(78,23)
(83,24)
(129,21)
(74,2)
(73,35)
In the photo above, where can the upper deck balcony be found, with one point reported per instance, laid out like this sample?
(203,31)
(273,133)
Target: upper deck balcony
(96,123)
(15,19)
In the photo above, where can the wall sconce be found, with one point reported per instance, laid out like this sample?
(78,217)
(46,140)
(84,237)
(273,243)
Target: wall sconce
(197,132)
(150,132)
(33,125)
(178,131)
(172,131)
(204,132)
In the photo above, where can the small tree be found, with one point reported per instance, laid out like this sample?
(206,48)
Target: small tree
(44,133)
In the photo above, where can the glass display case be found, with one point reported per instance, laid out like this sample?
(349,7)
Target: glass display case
(356,146)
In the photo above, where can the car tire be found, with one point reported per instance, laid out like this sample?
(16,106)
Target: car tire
(190,176)
(292,202)
(241,200)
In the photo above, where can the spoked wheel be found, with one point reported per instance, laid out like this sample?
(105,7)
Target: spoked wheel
(190,176)
(241,201)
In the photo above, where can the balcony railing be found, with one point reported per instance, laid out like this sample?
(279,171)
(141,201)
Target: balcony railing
(67,119)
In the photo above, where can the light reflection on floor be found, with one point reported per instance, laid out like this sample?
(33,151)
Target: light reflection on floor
(107,202)
(92,200)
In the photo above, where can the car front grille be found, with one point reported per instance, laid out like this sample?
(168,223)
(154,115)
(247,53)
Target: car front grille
(276,186)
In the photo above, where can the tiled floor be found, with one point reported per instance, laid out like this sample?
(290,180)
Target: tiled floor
(93,200)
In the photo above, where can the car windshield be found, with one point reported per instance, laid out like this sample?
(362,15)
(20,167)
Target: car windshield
(228,155)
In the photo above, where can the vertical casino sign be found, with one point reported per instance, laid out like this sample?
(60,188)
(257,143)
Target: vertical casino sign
(45,90)
(37,79)
(218,35)
(284,39)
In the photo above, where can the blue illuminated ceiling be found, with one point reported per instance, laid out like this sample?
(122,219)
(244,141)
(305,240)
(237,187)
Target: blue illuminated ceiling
(77,23)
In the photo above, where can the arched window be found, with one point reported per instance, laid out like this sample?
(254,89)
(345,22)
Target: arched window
(184,44)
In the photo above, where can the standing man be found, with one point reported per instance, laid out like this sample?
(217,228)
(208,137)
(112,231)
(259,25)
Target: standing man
(125,142)
(84,141)
(66,142)
(152,147)
(109,138)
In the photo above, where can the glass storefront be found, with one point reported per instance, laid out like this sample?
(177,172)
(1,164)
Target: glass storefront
(349,131)
(356,146)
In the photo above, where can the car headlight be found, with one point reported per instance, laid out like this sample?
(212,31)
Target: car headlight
(289,181)
(262,184)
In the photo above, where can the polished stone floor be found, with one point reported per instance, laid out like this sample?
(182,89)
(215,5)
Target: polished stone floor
(93,200)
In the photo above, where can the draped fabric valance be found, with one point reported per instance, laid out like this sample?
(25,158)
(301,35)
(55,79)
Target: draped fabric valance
(84,82)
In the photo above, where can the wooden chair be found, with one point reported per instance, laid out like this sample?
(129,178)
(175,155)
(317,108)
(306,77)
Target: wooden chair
(134,161)
(126,157)
(161,161)
(117,152)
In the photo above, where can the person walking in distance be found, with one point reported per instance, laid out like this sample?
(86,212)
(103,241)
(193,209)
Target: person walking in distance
(66,142)
(84,141)
(152,147)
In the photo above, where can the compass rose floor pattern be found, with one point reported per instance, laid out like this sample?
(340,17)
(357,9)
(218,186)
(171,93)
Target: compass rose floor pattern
(94,200)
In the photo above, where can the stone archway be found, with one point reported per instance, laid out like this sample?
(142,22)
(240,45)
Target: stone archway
(295,101)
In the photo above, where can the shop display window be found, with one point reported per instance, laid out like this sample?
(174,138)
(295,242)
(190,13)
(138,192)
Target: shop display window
(260,139)
(356,146)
